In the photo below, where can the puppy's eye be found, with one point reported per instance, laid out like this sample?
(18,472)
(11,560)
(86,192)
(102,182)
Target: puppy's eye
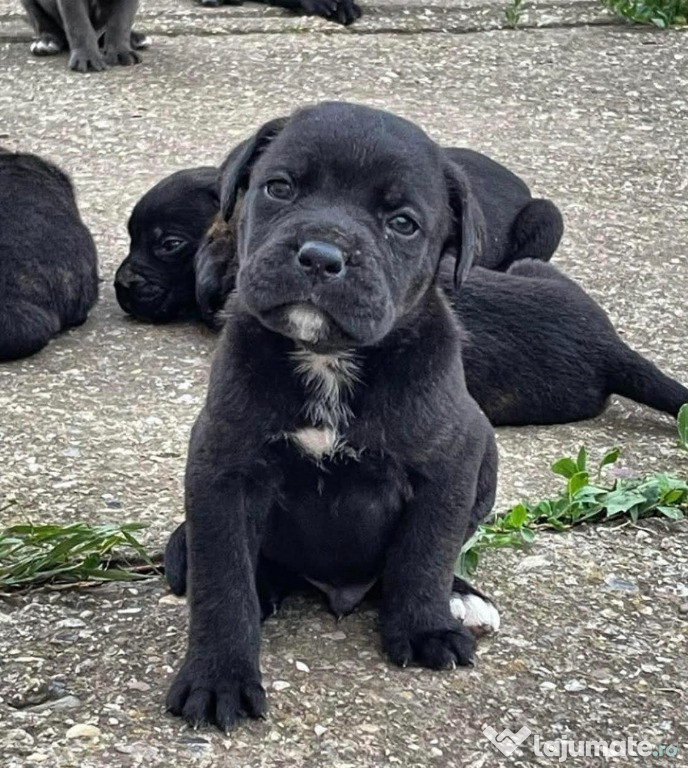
(279,189)
(403,225)
(169,246)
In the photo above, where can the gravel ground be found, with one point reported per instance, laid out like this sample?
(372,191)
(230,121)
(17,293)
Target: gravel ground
(94,428)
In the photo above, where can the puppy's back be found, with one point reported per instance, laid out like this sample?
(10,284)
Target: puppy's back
(48,263)
(540,350)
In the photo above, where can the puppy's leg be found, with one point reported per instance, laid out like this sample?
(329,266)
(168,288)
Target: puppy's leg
(220,681)
(117,43)
(83,42)
(51,37)
(535,232)
(416,622)
(342,11)
(273,582)
(25,329)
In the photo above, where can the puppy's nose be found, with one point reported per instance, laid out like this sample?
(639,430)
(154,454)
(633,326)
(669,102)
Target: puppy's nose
(321,259)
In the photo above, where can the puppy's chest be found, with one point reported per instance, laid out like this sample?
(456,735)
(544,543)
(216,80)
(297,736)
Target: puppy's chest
(324,425)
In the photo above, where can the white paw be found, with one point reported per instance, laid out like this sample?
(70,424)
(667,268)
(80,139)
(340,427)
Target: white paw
(44,48)
(478,615)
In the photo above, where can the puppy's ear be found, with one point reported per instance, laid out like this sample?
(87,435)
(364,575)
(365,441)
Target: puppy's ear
(468,234)
(236,168)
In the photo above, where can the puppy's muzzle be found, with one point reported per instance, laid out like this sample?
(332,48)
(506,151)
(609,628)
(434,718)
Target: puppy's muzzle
(321,261)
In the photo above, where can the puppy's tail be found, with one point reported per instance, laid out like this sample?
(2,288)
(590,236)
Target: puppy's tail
(535,232)
(176,560)
(638,379)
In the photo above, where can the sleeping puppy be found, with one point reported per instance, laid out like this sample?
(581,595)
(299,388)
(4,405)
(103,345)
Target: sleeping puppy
(338,442)
(48,262)
(342,11)
(78,25)
(155,282)
(539,350)
(518,226)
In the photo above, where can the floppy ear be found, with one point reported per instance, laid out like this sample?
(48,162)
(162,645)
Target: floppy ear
(236,168)
(468,234)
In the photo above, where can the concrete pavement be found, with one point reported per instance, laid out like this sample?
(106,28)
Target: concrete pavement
(95,427)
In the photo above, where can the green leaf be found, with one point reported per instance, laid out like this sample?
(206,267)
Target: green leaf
(565,467)
(682,426)
(610,457)
(578,482)
(673,513)
(582,460)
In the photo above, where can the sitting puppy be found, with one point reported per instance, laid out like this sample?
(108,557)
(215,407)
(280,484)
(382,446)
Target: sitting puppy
(342,11)
(519,226)
(78,25)
(155,282)
(48,263)
(338,441)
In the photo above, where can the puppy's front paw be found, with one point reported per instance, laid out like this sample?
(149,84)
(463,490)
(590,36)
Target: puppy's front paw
(122,55)
(347,12)
(437,648)
(207,691)
(86,59)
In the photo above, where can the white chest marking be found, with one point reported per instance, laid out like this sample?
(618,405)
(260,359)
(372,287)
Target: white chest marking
(328,381)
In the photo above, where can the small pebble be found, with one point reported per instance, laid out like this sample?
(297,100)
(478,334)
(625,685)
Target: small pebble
(281,685)
(83,731)
(302,667)
(319,730)
(574,686)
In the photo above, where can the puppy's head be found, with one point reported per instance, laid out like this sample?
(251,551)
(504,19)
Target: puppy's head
(346,214)
(156,280)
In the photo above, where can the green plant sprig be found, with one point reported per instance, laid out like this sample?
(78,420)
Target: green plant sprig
(584,499)
(682,427)
(33,555)
(661,13)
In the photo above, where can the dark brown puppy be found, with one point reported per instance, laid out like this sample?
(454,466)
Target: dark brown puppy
(79,25)
(341,11)
(48,263)
(338,441)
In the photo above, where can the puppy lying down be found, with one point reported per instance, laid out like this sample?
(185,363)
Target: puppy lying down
(338,442)
(538,349)
(159,282)
(48,261)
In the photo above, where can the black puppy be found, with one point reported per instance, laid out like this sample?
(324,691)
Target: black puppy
(48,262)
(156,280)
(338,441)
(342,11)
(79,25)
(518,226)
(539,350)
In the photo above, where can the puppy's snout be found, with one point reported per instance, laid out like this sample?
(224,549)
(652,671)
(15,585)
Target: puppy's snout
(321,260)
(126,278)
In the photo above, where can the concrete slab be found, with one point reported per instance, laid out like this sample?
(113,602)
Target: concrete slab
(95,427)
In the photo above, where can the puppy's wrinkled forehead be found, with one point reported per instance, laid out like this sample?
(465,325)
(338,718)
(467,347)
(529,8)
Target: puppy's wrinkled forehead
(352,146)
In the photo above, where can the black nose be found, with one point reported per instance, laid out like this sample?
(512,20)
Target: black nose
(321,259)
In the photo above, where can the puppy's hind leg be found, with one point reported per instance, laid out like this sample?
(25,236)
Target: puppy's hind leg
(24,330)
(535,232)
(51,36)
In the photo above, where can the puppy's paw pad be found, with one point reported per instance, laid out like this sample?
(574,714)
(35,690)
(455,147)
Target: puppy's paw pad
(477,614)
(124,57)
(45,47)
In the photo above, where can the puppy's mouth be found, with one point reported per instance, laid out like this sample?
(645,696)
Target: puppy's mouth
(306,324)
